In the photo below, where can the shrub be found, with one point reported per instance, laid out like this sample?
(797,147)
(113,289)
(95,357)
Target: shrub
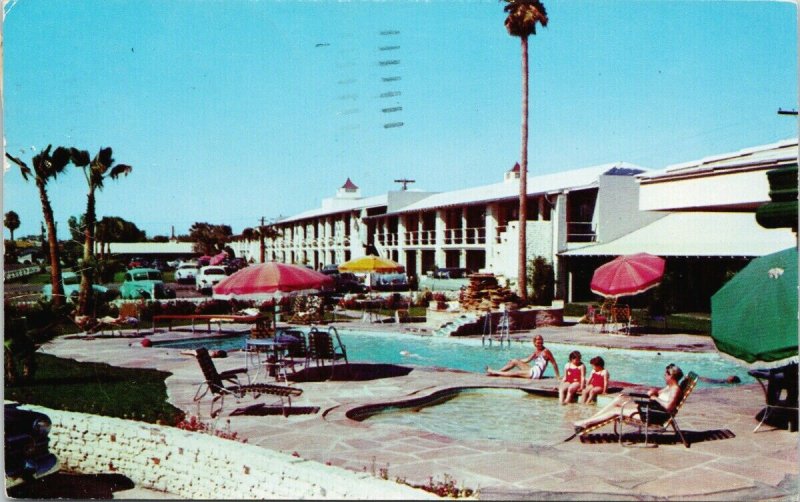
(439,297)
(542,281)
(423,298)
(193,424)
(213,307)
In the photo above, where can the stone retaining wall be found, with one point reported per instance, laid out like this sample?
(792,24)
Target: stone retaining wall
(195,465)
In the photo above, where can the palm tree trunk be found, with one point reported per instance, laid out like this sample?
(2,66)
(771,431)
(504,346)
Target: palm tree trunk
(522,270)
(52,239)
(87,268)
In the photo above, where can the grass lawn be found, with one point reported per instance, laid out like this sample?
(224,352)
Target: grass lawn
(99,389)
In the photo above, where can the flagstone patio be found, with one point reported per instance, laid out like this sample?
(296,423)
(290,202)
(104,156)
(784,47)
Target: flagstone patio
(727,461)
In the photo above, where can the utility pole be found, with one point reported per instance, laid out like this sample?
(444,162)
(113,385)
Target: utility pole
(261,241)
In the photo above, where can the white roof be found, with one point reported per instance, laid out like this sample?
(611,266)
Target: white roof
(152,247)
(765,156)
(542,184)
(696,234)
(342,207)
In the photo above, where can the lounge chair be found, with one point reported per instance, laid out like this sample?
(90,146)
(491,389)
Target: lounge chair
(649,418)
(127,318)
(326,346)
(215,383)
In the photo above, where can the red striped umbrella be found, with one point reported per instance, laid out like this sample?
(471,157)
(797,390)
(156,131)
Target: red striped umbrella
(628,275)
(269,280)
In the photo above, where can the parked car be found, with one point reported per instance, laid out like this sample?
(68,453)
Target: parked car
(186,273)
(27,446)
(144,283)
(347,282)
(208,276)
(330,269)
(390,282)
(72,287)
(450,273)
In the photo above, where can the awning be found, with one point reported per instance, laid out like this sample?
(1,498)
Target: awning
(696,234)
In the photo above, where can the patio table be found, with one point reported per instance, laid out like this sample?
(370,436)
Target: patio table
(273,366)
(369,308)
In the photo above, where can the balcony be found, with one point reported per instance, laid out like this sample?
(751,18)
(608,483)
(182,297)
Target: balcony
(581,231)
(421,238)
(465,236)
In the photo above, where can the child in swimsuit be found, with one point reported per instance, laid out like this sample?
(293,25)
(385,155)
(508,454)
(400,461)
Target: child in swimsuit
(574,378)
(598,380)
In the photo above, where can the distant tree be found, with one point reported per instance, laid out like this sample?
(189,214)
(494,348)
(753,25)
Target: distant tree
(75,226)
(11,222)
(159,238)
(523,16)
(115,229)
(11,254)
(46,167)
(209,239)
(249,234)
(265,232)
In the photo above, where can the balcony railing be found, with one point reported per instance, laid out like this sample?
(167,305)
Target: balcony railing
(421,237)
(581,231)
(469,235)
(386,239)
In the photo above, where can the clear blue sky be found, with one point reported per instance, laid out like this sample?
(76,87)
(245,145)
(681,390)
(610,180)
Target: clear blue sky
(233,110)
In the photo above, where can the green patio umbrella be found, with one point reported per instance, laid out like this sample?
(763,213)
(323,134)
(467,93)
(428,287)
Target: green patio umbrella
(754,315)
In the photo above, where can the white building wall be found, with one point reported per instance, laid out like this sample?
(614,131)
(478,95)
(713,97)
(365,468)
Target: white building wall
(748,188)
(617,209)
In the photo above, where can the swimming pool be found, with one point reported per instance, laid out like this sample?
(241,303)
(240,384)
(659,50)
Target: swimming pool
(514,415)
(468,354)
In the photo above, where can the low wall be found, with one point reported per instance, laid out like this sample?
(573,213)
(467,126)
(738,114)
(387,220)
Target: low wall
(195,465)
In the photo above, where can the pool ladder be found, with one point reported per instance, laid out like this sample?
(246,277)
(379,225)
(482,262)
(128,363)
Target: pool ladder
(503,329)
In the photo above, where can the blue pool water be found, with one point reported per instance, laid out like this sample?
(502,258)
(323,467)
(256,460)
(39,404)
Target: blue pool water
(485,413)
(636,366)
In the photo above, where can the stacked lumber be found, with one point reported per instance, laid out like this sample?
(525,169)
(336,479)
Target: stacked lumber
(484,293)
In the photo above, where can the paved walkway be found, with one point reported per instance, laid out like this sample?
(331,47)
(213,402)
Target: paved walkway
(761,465)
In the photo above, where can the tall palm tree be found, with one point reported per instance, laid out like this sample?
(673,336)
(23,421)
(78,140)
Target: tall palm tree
(11,222)
(523,16)
(95,171)
(45,168)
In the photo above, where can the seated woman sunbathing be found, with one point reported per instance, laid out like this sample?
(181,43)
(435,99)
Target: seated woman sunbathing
(667,397)
(522,368)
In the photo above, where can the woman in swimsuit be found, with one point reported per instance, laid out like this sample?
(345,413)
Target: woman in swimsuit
(574,378)
(521,368)
(598,380)
(668,397)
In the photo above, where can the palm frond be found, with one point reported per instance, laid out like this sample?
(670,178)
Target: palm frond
(104,158)
(59,160)
(23,167)
(523,15)
(79,157)
(120,169)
